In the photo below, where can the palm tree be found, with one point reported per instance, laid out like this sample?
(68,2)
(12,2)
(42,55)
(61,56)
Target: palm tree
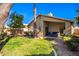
(4,12)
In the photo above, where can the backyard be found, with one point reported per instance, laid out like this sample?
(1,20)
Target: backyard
(25,46)
(20,38)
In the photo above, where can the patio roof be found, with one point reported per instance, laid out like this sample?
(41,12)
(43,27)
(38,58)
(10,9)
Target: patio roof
(67,20)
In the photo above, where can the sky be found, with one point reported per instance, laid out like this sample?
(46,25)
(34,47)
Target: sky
(61,10)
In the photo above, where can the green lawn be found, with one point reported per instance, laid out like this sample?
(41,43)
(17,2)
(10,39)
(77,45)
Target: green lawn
(22,46)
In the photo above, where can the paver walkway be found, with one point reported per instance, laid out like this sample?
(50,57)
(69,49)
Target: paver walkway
(63,49)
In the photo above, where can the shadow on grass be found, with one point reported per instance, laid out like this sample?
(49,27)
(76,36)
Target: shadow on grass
(4,42)
(51,54)
(41,55)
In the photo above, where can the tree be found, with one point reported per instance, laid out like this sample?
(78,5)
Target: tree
(4,12)
(77,17)
(16,20)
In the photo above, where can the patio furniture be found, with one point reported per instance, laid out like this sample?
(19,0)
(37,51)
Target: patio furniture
(55,34)
(48,34)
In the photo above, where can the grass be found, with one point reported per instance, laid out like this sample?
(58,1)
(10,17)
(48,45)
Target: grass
(22,46)
(66,38)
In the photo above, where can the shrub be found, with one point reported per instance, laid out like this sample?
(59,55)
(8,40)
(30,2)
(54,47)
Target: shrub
(29,34)
(73,44)
(66,38)
(2,36)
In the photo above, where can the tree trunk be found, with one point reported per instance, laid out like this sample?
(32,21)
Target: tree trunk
(4,12)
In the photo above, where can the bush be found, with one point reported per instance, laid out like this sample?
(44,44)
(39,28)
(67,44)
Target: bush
(2,36)
(67,38)
(29,34)
(73,44)
(21,46)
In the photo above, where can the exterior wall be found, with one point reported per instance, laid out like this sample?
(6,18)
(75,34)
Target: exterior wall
(31,28)
(67,28)
(51,19)
(39,27)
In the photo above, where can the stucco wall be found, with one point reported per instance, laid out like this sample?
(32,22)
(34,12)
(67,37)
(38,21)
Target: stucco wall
(39,29)
(67,28)
(31,28)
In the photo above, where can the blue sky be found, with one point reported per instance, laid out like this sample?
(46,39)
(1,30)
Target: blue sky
(61,10)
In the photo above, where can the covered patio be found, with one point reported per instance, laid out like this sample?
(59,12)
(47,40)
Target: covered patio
(53,29)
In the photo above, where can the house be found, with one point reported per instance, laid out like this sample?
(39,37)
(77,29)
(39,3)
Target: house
(50,26)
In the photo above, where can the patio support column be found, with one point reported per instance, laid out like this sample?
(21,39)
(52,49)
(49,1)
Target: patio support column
(72,29)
